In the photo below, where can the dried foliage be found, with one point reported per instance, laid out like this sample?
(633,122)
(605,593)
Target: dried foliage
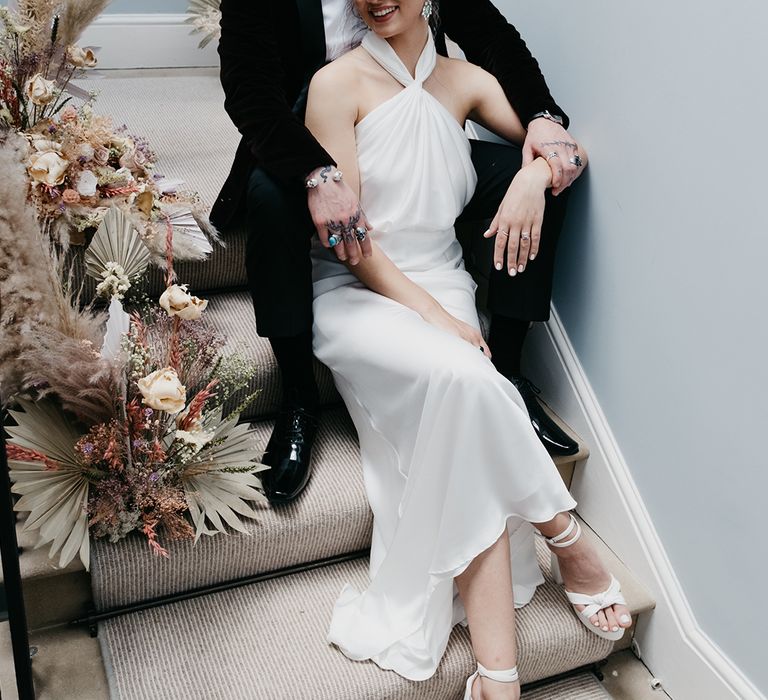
(35,296)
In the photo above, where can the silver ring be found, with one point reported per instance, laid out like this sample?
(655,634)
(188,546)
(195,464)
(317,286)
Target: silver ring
(553,154)
(360,232)
(524,236)
(332,241)
(576,160)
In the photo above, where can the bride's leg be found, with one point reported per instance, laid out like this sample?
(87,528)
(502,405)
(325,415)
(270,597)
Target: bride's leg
(583,571)
(485,587)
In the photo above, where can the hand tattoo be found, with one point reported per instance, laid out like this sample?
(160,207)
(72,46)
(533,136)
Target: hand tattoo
(565,144)
(345,230)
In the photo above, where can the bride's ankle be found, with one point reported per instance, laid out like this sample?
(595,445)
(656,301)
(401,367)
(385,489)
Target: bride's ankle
(495,690)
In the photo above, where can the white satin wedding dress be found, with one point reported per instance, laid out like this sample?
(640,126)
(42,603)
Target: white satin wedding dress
(448,452)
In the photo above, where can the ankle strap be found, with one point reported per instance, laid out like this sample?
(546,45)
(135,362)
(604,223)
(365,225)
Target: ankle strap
(507,675)
(557,540)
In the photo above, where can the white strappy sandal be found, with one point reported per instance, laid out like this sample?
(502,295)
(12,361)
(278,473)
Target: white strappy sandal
(594,603)
(508,675)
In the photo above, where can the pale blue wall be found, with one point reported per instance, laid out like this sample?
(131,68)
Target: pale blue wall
(153,6)
(661,277)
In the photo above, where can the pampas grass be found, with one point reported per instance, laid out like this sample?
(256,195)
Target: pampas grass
(33,301)
(76,16)
(38,15)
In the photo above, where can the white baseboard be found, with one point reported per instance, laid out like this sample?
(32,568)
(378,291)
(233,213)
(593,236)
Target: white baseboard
(672,644)
(147,41)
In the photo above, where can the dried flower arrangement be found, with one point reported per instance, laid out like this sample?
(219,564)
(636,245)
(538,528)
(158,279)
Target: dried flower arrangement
(80,164)
(121,426)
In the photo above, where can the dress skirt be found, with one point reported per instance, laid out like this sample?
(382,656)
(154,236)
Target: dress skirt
(449,457)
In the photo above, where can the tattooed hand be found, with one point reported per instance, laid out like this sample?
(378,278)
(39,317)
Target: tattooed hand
(545,138)
(336,211)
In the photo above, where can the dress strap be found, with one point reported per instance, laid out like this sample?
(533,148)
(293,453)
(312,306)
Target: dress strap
(381,52)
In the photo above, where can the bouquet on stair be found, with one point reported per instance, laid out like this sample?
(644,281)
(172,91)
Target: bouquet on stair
(80,164)
(131,426)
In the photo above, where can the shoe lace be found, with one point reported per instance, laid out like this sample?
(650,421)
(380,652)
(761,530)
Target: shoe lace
(297,421)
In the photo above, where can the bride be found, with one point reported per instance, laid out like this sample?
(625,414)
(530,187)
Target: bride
(455,475)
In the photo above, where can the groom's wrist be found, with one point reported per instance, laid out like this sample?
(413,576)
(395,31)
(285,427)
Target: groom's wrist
(323,175)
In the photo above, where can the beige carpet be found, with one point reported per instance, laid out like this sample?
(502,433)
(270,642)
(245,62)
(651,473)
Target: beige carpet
(267,641)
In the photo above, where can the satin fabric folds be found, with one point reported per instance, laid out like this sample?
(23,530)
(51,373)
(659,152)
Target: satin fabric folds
(448,452)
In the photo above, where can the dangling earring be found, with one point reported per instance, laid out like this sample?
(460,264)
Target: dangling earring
(426,11)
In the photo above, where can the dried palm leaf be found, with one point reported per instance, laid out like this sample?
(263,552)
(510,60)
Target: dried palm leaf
(205,16)
(220,481)
(55,498)
(116,241)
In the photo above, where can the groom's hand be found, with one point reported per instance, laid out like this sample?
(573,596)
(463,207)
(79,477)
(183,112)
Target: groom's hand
(551,141)
(336,212)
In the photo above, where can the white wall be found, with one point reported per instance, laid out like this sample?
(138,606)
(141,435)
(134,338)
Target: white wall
(148,6)
(661,275)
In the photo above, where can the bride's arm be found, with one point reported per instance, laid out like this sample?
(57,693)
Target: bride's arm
(332,111)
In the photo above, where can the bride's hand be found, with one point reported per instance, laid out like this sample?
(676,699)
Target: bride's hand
(517,225)
(440,318)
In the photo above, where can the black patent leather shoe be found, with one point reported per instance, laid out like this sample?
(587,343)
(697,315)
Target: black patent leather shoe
(550,434)
(289,453)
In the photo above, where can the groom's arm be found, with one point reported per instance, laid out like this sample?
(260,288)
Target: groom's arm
(490,42)
(251,75)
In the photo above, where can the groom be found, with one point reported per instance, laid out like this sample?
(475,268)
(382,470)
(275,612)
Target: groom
(281,184)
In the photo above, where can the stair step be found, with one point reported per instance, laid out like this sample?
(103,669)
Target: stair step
(52,594)
(583,686)
(331,517)
(268,640)
(231,313)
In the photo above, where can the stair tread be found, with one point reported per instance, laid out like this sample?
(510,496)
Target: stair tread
(330,517)
(35,563)
(250,635)
(231,313)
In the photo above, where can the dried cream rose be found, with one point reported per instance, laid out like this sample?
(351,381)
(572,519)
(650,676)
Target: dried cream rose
(134,160)
(163,391)
(81,58)
(86,184)
(101,155)
(177,302)
(48,167)
(42,145)
(39,90)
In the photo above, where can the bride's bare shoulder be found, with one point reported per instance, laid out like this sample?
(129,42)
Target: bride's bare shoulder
(343,73)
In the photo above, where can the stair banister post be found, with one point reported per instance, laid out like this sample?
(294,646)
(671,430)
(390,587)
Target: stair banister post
(17,615)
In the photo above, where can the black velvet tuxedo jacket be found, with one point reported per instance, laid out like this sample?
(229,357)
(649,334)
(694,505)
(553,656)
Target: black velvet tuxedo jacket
(270,48)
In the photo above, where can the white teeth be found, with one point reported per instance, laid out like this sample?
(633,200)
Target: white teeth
(383,13)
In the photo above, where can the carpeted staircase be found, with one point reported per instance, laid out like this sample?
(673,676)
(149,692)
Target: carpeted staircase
(266,639)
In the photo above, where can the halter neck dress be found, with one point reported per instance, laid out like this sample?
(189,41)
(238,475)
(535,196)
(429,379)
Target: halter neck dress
(449,455)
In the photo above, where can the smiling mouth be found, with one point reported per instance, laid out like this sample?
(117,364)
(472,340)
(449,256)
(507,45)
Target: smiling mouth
(383,13)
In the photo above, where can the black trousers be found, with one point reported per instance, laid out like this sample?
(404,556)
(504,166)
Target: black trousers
(280,229)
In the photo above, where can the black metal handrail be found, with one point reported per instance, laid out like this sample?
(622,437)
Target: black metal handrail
(9,551)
